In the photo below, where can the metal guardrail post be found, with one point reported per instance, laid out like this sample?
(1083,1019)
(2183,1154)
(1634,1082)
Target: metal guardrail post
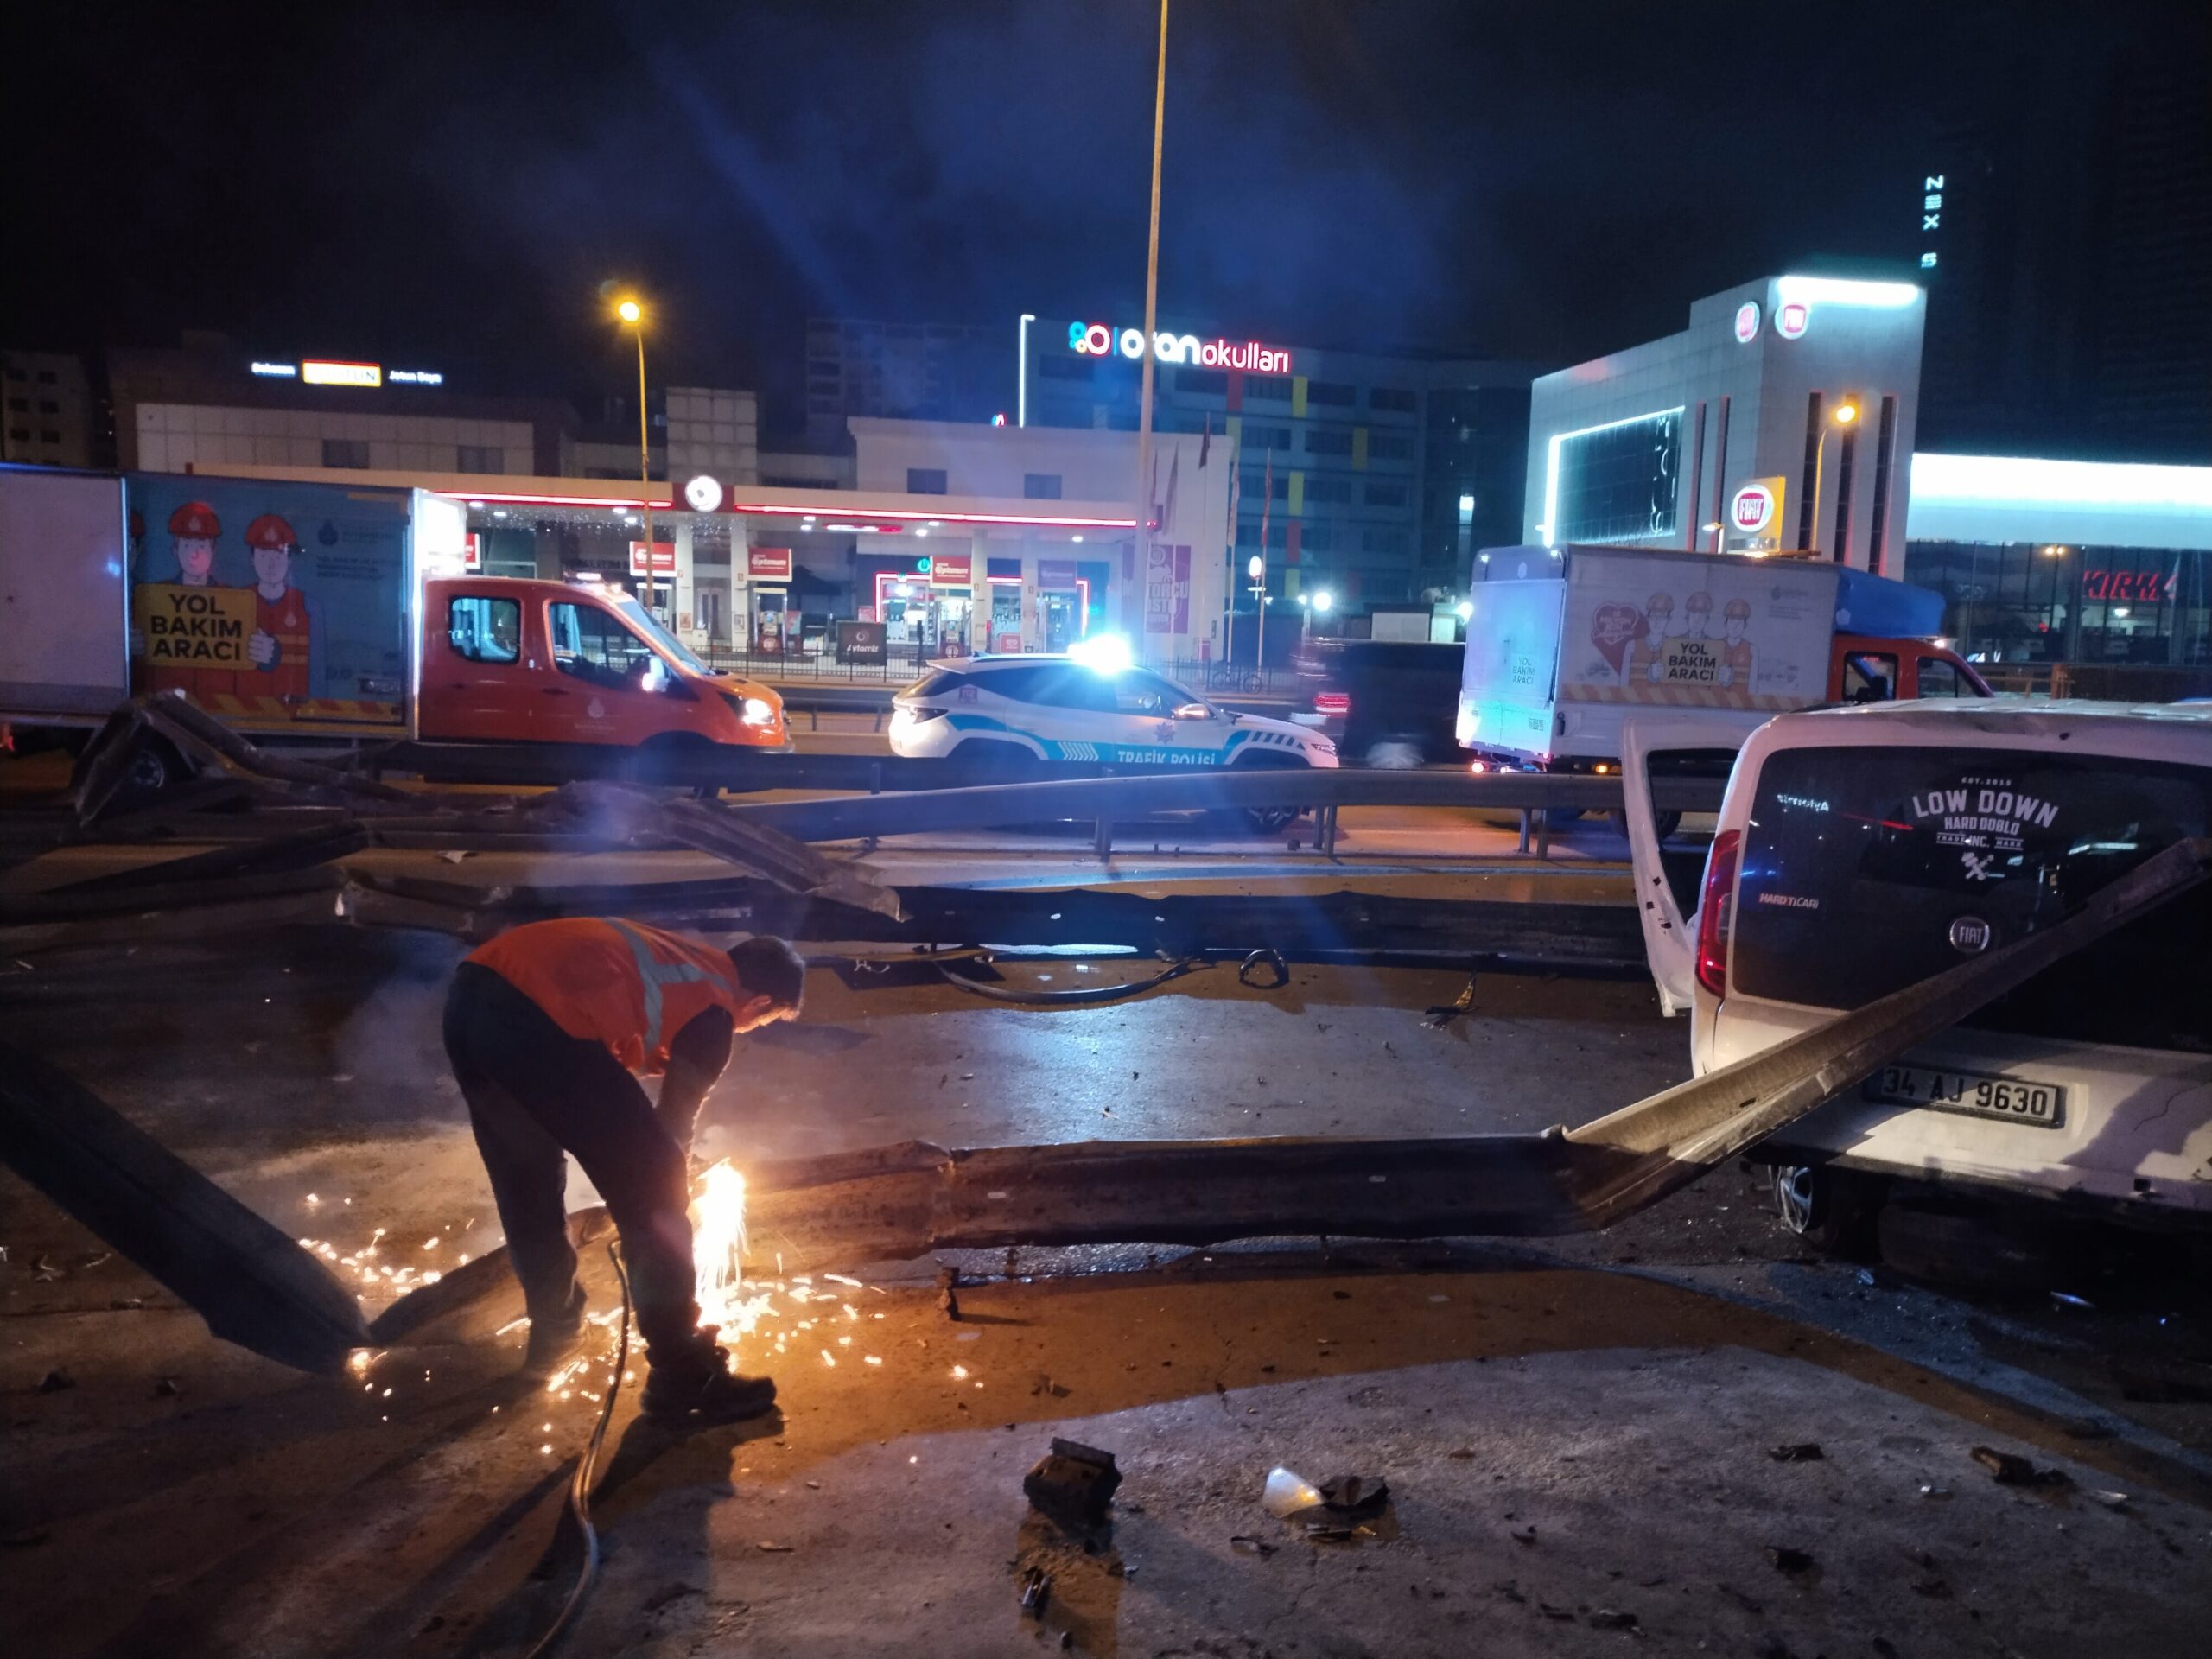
(1544,832)
(1524,831)
(1102,842)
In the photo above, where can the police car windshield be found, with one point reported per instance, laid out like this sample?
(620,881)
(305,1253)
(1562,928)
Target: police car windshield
(645,622)
(1866,870)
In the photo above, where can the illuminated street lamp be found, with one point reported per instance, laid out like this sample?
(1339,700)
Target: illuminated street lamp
(1256,568)
(1846,413)
(631,313)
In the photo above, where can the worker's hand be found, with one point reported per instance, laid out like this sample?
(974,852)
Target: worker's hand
(261,649)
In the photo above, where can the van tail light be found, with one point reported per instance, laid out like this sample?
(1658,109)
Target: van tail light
(1716,912)
(1332,702)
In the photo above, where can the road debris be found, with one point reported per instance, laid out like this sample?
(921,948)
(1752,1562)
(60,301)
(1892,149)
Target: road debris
(55,1381)
(767,1548)
(1248,1545)
(1607,1618)
(166,1387)
(2011,1468)
(1074,1485)
(1803,1452)
(1287,1493)
(1036,1591)
(1787,1559)
(1355,1497)
(2111,1500)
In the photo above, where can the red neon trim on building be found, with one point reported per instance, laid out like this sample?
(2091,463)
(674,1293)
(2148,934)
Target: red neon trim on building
(759,507)
(608,501)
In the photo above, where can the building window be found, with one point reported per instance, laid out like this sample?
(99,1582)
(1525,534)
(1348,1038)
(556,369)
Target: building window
(1275,387)
(1328,489)
(1616,483)
(1040,487)
(1212,382)
(1259,439)
(1389,398)
(1328,441)
(1379,538)
(1330,392)
(1386,495)
(480,458)
(50,435)
(20,406)
(1257,483)
(48,406)
(926,481)
(1386,446)
(484,630)
(346,452)
(19,435)
(46,377)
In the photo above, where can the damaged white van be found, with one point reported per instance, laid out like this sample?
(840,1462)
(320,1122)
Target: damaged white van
(1858,850)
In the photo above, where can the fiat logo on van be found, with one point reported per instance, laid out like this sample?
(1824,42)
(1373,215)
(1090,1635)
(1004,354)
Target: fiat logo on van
(1970,936)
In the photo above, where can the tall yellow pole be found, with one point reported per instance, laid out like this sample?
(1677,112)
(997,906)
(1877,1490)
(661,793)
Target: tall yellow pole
(1132,591)
(646,468)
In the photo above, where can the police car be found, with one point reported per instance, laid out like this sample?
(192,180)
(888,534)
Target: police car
(1017,710)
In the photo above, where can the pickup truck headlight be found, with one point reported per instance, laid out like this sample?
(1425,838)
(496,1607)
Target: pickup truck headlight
(751,711)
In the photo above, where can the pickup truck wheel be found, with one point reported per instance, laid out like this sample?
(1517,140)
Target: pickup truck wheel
(1833,1210)
(1662,824)
(655,752)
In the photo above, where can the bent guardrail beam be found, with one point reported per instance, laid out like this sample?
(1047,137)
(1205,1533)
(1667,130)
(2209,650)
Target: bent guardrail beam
(903,1201)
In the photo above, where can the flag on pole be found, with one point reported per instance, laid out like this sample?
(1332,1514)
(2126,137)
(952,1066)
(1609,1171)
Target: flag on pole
(1174,471)
(1205,440)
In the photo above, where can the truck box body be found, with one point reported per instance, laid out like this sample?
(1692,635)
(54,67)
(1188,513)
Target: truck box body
(278,607)
(63,591)
(1563,647)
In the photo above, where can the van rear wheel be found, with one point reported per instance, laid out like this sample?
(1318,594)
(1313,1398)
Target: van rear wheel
(1833,1210)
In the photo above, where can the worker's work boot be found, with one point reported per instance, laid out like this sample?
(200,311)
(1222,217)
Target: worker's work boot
(556,1339)
(695,1387)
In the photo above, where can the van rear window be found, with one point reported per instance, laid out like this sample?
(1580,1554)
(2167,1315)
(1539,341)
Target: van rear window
(1865,870)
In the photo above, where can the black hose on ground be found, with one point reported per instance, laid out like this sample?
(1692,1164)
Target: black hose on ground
(580,1485)
(1075,996)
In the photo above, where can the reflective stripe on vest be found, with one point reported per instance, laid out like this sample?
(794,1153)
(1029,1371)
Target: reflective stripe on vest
(652,974)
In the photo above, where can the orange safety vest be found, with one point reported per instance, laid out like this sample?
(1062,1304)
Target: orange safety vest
(284,620)
(627,985)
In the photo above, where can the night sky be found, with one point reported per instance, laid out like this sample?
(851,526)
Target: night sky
(452,186)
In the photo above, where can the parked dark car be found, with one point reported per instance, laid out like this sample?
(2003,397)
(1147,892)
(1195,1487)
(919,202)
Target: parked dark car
(1386,702)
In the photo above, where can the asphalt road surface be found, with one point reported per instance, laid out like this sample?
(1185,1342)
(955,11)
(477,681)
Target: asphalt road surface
(1576,1431)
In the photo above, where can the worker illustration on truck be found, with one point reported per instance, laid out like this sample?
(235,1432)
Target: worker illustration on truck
(1739,656)
(1643,656)
(194,632)
(282,647)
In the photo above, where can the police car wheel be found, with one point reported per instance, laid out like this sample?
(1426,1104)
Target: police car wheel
(996,760)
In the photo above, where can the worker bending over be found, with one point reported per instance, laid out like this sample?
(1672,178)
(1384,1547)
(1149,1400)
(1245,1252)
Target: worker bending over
(544,1027)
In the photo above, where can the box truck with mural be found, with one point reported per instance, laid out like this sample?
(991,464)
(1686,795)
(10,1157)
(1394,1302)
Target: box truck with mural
(323,614)
(1564,645)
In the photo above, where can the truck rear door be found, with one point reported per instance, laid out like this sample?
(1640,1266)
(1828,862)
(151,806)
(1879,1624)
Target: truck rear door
(1668,869)
(64,647)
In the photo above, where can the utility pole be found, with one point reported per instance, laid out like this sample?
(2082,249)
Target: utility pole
(1132,591)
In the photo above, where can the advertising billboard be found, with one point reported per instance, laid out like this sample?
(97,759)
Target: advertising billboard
(271,604)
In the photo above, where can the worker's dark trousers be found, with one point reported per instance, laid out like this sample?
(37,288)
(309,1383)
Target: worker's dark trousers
(535,1092)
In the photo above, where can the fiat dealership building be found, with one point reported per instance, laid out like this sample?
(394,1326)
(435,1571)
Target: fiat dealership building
(1782,419)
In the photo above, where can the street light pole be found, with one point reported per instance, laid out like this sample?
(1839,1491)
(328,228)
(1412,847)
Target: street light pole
(634,314)
(1256,568)
(1846,413)
(1142,535)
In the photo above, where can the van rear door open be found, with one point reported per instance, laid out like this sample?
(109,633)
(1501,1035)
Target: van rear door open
(1667,878)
